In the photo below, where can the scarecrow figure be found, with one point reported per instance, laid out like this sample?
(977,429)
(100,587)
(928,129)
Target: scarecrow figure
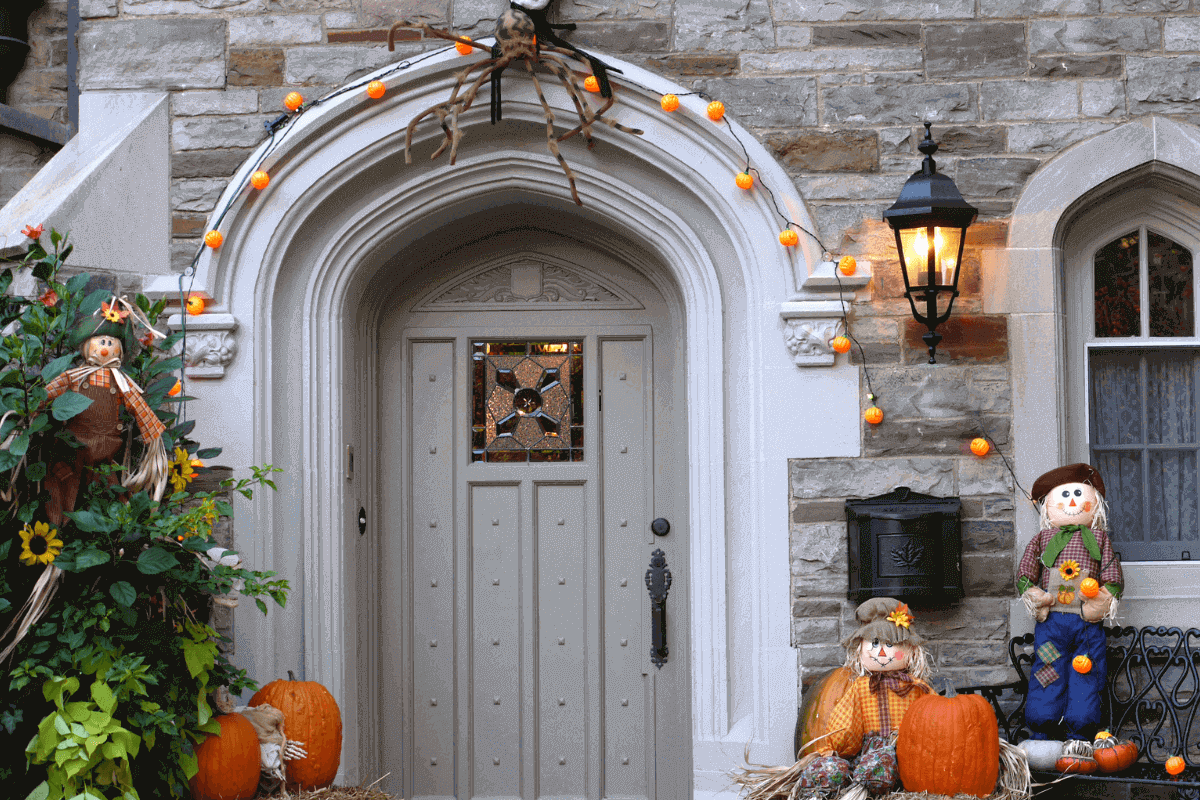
(892,666)
(1070,580)
(102,344)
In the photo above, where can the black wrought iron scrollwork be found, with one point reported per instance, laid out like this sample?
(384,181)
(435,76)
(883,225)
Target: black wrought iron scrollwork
(658,581)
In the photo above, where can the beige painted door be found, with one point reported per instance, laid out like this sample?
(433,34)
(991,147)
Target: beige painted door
(517,499)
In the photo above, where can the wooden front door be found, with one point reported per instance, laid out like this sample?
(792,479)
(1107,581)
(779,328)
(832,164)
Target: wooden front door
(530,449)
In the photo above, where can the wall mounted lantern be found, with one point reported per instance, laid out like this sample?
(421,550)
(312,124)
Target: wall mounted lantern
(930,219)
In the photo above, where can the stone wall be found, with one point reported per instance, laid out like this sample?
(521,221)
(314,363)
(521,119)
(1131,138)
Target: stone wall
(40,88)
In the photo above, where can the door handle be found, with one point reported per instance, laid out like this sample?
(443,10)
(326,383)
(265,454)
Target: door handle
(658,582)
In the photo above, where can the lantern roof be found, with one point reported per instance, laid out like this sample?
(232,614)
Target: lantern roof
(929,197)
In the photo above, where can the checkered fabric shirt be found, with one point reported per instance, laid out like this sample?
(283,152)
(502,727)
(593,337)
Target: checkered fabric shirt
(148,423)
(1108,572)
(860,712)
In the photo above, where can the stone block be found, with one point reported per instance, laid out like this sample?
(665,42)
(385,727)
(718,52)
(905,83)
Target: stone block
(1053,137)
(826,151)
(91,9)
(613,9)
(802,607)
(1021,9)
(324,64)
(152,54)
(978,476)
(841,225)
(255,67)
(900,141)
(1143,6)
(1163,84)
(634,36)
(988,574)
(966,340)
(188,226)
(198,195)
(183,253)
(270,101)
(686,65)
(818,511)
(988,536)
(162,8)
(994,177)
(970,654)
(766,102)
(875,354)
(807,630)
(1097,35)
(817,659)
(886,104)
(925,437)
(385,12)
(867,34)
(1181,33)
(716,25)
(850,187)
(221,163)
(214,101)
(273,30)
(206,133)
(315,5)
(1102,98)
(342,20)
(816,478)
(972,618)
(835,59)
(945,392)
(855,10)
(1005,100)
(474,17)
(1064,66)
(998,508)
(794,36)
(975,50)
(818,559)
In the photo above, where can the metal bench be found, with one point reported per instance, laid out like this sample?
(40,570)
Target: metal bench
(1152,698)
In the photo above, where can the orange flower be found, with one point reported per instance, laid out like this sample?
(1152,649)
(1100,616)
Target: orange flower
(33,231)
(49,298)
(901,618)
(113,313)
(147,339)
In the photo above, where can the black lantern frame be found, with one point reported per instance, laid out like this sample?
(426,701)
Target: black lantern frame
(931,210)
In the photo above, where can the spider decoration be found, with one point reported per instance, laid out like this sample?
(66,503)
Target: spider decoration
(522,33)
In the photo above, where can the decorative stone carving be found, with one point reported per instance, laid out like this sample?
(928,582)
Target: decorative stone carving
(529,279)
(817,313)
(209,346)
(808,340)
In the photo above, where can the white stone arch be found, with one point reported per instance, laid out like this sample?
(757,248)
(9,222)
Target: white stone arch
(296,266)
(1026,282)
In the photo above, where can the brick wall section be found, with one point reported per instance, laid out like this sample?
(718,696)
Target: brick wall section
(41,89)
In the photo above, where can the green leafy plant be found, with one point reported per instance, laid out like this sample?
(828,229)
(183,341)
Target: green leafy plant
(106,695)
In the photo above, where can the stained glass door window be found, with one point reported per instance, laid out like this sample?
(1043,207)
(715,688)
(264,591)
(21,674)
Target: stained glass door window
(527,401)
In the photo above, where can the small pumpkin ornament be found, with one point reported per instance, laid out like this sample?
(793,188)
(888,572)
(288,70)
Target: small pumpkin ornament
(376,90)
(260,179)
(847,265)
(213,239)
(293,101)
(873,415)
(463,48)
(840,344)
(669,103)
(789,238)
(1081,664)
(818,704)
(744,180)
(1175,765)
(949,745)
(311,716)
(229,762)
(1113,755)
(194,305)
(980,446)
(591,84)
(716,110)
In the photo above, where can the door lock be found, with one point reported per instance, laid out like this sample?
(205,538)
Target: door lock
(660,527)
(362,521)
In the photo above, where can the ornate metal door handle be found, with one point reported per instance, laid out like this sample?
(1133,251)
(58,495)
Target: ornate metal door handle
(658,581)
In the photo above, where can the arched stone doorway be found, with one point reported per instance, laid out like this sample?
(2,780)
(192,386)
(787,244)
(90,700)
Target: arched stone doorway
(306,269)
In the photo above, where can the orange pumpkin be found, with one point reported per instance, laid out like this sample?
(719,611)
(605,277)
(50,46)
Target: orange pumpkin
(980,446)
(1090,587)
(1076,764)
(310,715)
(789,238)
(716,110)
(847,265)
(744,180)
(213,239)
(1175,765)
(260,179)
(873,415)
(949,745)
(669,102)
(840,344)
(376,90)
(293,101)
(463,48)
(194,305)
(817,707)
(1113,755)
(1082,664)
(591,83)
(229,762)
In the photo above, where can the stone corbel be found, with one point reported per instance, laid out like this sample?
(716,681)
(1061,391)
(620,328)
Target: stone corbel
(817,315)
(209,346)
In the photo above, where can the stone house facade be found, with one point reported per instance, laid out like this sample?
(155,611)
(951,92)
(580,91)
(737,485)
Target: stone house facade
(1046,113)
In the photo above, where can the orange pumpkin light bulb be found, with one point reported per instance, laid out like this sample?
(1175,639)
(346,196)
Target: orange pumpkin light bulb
(1175,765)
(744,180)
(591,84)
(980,446)
(669,102)
(213,239)
(1082,664)
(195,305)
(840,344)
(873,415)
(463,48)
(260,179)
(789,238)
(847,265)
(716,110)
(176,389)
(1090,587)
(376,90)
(293,101)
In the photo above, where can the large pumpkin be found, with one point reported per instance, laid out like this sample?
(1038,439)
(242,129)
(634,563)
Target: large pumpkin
(818,704)
(311,716)
(229,762)
(949,745)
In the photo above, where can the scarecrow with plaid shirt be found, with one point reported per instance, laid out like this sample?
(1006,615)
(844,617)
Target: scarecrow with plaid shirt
(1070,580)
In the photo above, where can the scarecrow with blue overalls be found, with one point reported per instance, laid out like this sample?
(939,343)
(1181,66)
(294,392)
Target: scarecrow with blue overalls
(1070,580)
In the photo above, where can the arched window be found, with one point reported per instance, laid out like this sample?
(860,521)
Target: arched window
(1133,364)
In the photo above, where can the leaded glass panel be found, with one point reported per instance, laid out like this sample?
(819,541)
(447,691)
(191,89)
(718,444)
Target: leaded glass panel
(527,401)
(1172,308)
(1117,288)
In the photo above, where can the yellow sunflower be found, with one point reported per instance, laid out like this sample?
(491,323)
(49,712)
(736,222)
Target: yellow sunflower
(180,470)
(1069,570)
(39,544)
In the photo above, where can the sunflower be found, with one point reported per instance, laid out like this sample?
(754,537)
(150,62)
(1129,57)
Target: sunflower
(900,617)
(181,471)
(113,313)
(39,544)
(1069,570)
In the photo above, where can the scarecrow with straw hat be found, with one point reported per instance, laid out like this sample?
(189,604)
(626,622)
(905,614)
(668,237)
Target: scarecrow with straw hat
(1070,580)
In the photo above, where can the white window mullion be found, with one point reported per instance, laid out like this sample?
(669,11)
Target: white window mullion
(1144,280)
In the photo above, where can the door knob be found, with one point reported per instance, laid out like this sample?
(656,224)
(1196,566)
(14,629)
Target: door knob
(660,527)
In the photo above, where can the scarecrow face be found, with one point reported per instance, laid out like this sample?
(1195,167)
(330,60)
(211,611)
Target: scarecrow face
(532,5)
(102,349)
(879,656)
(1071,504)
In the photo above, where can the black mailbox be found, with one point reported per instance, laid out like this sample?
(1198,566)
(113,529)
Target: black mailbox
(906,545)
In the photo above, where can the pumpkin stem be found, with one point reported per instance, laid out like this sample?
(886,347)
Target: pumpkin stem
(291,675)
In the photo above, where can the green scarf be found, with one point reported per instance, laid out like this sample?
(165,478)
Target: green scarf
(1060,539)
